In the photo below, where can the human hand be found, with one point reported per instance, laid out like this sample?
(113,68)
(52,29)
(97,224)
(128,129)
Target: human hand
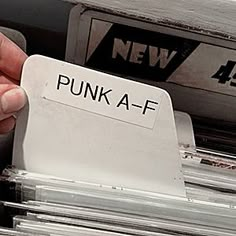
(12,97)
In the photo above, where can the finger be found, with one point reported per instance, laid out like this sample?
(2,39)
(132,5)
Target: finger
(6,87)
(7,125)
(5,116)
(12,58)
(4,79)
(12,99)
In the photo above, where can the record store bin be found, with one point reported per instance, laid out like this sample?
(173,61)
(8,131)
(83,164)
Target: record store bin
(185,50)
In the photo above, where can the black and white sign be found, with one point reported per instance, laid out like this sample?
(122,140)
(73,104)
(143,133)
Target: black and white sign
(194,64)
(149,55)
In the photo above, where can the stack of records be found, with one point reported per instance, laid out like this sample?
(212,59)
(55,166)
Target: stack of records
(35,204)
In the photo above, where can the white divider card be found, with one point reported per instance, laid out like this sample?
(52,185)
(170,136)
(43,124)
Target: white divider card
(185,132)
(89,126)
(186,139)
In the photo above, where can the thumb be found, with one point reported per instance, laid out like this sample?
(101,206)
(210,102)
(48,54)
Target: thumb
(12,99)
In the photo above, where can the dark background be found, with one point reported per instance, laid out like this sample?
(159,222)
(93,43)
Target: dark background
(42,22)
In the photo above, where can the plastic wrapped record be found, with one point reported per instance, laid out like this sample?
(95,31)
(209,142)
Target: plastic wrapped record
(109,207)
(13,232)
(210,175)
(124,224)
(203,182)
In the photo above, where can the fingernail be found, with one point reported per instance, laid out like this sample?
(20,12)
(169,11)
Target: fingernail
(13,100)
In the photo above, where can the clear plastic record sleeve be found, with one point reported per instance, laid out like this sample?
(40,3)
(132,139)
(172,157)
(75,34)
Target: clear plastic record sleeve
(73,207)
(41,223)
(202,182)
(209,208)
(117,210)
(76,229)
(13,232)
